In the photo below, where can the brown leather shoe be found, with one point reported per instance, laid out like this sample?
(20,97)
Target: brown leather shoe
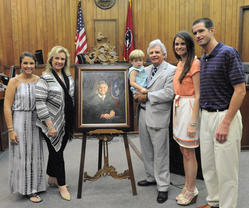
(206,206)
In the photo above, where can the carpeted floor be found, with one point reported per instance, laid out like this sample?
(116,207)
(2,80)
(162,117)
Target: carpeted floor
(108,192)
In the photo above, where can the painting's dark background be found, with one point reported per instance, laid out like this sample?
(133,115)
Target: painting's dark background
(116,89)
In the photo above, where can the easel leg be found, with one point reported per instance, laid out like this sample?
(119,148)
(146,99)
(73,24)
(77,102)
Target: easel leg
(100,155)
(82,162)
(128,156)
(138,153)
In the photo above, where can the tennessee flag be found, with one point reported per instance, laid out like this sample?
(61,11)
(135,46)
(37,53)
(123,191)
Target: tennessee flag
(129,38)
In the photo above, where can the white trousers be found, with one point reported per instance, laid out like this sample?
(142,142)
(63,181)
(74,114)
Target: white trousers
(220,162)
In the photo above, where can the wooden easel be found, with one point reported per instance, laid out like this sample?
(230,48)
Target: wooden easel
(105,135)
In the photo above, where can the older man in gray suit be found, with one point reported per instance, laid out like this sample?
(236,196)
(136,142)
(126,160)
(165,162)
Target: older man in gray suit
(154,118)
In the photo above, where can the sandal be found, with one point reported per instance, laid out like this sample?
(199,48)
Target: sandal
(35,198)
(181,194)
(188,197)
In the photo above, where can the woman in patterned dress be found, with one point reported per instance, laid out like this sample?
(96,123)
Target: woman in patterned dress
(54,103)
(186,111)
(26,162)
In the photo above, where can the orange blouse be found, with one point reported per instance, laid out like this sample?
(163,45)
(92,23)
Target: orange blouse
(186,88)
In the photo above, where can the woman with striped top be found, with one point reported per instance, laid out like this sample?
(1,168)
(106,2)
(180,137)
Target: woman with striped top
(54,103)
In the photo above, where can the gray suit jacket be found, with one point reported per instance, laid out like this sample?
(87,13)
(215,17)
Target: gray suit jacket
(160,96)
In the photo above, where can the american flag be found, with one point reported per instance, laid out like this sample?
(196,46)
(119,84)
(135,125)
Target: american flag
(80,38)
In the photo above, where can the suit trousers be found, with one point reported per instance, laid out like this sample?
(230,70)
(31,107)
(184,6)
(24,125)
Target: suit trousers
(155,150)
(220,162)
(56,164)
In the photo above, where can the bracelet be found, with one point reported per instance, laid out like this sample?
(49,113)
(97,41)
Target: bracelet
(193,124)
(10,130)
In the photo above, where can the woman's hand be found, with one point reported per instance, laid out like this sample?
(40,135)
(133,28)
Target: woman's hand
(52,132)
(13,137)
(191,130)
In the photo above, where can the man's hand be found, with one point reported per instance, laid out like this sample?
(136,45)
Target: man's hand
(222,132)
(235,103)
(144,90)
(140,97)
(105,116)
(108,115)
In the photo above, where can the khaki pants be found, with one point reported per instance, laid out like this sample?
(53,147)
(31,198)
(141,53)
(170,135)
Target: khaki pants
(220,162)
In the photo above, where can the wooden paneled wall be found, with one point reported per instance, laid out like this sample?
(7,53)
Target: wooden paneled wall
(42,24)
(28,25)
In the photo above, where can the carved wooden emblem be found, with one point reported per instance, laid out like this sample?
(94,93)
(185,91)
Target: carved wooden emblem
(103,52)
(105,4)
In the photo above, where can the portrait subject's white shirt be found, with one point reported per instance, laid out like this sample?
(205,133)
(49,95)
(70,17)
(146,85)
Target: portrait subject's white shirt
(101,95)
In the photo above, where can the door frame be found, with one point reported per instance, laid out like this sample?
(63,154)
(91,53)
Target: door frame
(241,20)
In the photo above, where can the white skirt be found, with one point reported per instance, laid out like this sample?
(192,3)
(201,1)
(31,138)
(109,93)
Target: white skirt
(182,113)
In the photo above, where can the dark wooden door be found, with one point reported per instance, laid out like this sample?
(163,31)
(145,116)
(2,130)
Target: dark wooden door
(244,53)
(244,109)
(244,33)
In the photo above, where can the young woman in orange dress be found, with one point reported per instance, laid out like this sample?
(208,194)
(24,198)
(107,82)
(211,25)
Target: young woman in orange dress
(186,111)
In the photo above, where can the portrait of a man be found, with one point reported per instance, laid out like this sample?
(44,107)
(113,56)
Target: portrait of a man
(102,107)
(104,98)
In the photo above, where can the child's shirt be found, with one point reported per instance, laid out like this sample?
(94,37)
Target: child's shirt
(141,78)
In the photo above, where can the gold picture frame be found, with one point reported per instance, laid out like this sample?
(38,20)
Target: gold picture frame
(94,106)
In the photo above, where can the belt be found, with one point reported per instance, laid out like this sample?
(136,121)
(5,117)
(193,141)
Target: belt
(143,107)
(214,110)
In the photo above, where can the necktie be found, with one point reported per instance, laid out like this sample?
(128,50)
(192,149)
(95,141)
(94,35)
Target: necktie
(153,72)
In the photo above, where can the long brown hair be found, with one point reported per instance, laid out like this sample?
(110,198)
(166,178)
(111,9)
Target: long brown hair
(184,35)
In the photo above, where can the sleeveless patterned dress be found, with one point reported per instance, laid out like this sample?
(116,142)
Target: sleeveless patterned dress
(26,161)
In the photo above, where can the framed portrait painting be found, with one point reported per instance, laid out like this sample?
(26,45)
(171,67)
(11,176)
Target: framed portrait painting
(102,96)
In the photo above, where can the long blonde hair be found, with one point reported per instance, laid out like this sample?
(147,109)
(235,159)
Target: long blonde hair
(55,50)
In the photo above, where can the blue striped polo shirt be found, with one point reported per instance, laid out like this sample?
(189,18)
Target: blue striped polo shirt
(220,70)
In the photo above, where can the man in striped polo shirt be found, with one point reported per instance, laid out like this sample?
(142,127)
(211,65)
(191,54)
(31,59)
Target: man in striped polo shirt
(222,90)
